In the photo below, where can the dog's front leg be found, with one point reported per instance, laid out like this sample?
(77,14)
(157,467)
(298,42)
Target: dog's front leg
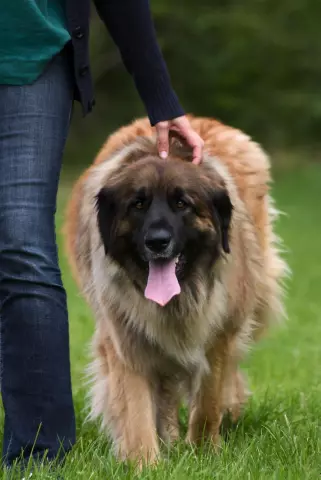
(206,408)
(129,414)
(167,400)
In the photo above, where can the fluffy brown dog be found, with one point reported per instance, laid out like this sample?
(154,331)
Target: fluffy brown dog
(182,270)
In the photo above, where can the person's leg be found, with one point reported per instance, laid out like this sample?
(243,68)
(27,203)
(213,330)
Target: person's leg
(34,343)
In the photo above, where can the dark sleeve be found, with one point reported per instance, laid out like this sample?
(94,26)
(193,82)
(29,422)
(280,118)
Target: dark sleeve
(130,24)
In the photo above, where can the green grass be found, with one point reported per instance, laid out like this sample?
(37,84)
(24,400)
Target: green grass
(279,436)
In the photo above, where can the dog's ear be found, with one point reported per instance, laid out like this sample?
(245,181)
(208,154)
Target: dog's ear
(106,214)
(222,212)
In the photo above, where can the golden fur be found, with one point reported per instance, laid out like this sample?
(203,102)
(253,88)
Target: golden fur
(140,373)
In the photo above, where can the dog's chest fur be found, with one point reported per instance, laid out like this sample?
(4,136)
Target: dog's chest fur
(152,337)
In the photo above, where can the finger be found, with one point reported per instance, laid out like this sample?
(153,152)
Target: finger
(198,153)
(198,146)
(191,137)
(162,129)
(196,143)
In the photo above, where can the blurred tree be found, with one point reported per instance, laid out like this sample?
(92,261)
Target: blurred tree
(254,64)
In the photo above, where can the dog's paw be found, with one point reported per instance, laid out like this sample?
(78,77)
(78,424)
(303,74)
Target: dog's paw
(235,396)
(140,458)
(199,435)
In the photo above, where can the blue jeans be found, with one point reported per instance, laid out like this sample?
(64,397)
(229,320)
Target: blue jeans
(34,342)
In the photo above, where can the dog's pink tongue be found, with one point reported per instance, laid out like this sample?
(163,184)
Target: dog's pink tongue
(162,284)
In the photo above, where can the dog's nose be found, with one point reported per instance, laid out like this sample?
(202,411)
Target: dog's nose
(157,240)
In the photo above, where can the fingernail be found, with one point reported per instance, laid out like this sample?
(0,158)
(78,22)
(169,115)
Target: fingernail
(163,155)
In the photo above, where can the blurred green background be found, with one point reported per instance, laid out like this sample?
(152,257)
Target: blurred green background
(254,64)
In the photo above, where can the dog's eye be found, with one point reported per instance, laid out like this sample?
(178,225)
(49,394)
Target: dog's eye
(181,204)
(139,204)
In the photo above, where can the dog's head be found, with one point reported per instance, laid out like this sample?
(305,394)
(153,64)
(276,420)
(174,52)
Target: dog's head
(163,220)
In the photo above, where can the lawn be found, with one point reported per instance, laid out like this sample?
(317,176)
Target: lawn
(279,436)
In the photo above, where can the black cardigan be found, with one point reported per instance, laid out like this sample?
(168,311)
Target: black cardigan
(130,25)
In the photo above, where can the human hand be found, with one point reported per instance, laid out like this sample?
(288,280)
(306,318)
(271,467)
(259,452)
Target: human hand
(184,128)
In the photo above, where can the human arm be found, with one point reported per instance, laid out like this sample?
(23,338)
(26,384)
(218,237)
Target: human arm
(130,24)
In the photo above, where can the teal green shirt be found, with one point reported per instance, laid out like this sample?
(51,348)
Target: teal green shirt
(31,33)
